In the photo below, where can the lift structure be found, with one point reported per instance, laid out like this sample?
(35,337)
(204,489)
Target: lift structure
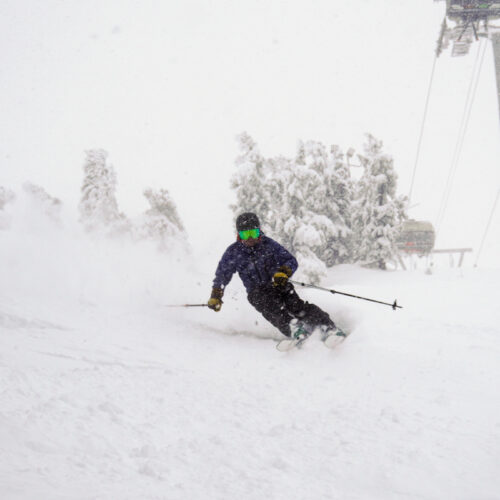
(470,20)
(466,21)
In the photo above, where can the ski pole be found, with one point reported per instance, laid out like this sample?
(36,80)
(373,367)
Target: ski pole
(187,305)
(393,305)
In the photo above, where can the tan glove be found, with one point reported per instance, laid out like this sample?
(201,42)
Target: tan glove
(281,276)
(215,300)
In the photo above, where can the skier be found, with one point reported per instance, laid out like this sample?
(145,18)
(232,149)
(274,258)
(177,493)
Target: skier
(264,267)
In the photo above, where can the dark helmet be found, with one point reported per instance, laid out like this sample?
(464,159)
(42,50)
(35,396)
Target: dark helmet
(248,220)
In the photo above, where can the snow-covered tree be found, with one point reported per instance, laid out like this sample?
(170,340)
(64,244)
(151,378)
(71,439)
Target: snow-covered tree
(98,205)
(6,196)
(339,197)
(296,190)
(378,211)
(44,202)
(307,203)
(250,180)
(312,215)
(303,203)
(279,172)
(328,198)
(161,222)
(305,239)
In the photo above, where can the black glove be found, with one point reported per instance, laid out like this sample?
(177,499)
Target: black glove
(215,300)
(281,276)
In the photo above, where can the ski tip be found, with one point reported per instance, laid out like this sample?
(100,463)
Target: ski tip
(286,345)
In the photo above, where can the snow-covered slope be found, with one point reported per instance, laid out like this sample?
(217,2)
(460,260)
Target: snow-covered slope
(107,394)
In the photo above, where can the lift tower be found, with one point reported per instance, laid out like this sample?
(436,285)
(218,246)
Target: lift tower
(472,19)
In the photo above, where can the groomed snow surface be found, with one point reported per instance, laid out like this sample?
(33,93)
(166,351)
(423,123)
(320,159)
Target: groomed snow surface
(107,394)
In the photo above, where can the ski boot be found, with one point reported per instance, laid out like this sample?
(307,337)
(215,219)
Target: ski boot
(331,337)
(300,334)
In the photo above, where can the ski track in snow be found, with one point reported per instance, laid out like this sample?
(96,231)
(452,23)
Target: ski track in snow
(148,403)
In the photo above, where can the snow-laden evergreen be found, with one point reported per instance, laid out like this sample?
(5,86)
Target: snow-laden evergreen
(303,203)
(6,196)
(378,211)
(249,180)
(340,193)
(327,193)
(98,206)
(46,204)
(307,220)
(161,222)
(279,175)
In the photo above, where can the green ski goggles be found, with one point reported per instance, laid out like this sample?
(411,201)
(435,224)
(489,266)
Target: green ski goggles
(249,233)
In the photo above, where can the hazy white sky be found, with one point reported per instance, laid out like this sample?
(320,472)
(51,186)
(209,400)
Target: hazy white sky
(165,86)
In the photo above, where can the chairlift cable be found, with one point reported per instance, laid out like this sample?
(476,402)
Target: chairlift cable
(460,141)
(487,228)
(422,126)
(426,108)
(471,93)
(453,164)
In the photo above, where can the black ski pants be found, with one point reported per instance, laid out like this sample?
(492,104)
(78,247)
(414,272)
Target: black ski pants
(281,304)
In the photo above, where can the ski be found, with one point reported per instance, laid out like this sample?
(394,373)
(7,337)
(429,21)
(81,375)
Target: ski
(300,333)
(289,344)
(334,339)
(331,341)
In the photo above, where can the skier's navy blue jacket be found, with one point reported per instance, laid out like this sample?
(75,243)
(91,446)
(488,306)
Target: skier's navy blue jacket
(256,265)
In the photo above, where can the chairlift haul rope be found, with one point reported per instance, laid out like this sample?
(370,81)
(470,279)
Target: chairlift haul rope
(471,93)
